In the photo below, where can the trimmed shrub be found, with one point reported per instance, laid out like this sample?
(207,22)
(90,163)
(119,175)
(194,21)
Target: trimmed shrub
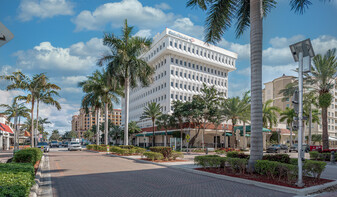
(176,155)
(265,167)
(283,158)
(140,150)
(127,146)
(220,152)
(122,151)
(314,155)
(288,172)
(236,154)
(164,150)
(210,161)
(28,155)
(314,168)
(16,179)
(131,151)
(153,155)
(293,161)
(237,165)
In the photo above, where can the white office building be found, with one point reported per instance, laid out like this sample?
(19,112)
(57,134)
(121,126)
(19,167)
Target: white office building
(182,65)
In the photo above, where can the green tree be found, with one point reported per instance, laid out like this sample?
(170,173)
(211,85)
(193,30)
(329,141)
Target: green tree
(309,101)
(269,114)
(55,135)
(14,111)
(116,133)
(152,111)
(88,135)
(133,128)
(236,109)
(248,13)
(323,76)
(126,64)
(31,85)
(179,113)
(288,115)
(165,121)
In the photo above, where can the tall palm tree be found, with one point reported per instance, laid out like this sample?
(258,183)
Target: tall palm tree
(220,14)
(164,122)
(152,111)
(324,73)
(106,86)
(269,116)
(116,132)
(133,128)
(126,65)
(179,114)
(13,111)
(288,115)
(236,109)
(309,101)
(32,85)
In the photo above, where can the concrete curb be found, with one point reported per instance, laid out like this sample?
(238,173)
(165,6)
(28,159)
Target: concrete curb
(303,191)
(45,188)
(35,188)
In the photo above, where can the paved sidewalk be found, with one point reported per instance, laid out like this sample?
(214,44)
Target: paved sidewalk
(5,155)
(92,174)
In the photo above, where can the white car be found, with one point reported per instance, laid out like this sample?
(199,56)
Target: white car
(74,146)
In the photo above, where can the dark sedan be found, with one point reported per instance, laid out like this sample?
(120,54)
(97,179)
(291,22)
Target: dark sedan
(277,148)
(294,148)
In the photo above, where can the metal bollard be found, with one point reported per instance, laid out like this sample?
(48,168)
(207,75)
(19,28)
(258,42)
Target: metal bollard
(332,158)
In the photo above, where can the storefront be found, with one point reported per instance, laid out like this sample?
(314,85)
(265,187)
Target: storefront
(6,137)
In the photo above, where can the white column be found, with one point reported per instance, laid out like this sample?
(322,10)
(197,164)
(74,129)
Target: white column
(7,142)
(1,142)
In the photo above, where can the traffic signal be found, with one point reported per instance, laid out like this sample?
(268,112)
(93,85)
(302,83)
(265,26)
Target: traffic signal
(295,102)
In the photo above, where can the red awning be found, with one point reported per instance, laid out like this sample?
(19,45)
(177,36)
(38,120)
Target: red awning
(5,128)
(27,134)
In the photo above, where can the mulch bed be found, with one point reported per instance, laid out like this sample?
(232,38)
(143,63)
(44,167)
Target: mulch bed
(163,161)
(308,181)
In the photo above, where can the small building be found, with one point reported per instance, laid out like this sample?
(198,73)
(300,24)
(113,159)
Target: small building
(6,137)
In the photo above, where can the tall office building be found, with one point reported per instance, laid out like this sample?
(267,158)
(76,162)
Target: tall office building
(182,64)
(84,121)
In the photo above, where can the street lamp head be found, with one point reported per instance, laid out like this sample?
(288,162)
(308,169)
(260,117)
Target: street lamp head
(303,46)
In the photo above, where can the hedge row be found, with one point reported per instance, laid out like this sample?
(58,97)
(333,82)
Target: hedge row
(122,150)
(28,155)
(315,155)
(159,156)
(165,150)
(272,169)
(283,158)
(16,179)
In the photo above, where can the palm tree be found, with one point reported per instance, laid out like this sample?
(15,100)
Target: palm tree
(323,75)
(116,132)
(220,15)
(288,115)
(269,114)
(32,85)
(14,111)
(236,109)
(313,115)
(88,135)
(108,88)
(133,128)
(179,113)
(164,122)
(126,65)
(45,95)
(152,111)
(309,100)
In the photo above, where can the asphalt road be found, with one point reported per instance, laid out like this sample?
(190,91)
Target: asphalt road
(84,173)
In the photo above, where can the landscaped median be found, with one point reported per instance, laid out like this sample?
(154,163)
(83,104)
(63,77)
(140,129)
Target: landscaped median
(157,154)
(17,177)
(276,169)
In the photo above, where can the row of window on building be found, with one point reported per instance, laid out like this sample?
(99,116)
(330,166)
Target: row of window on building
(201,78)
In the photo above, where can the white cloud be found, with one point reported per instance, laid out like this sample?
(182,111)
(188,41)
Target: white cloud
(8,96)
(115,13)
(28,9)
(78,58)
(163,6)
(243,50)
(144,33)
(185,25)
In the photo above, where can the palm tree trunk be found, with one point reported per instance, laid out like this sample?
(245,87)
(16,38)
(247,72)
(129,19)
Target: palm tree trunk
(16,134)
(291,135)
(216,137)
(153,138)
(256,34)
(181,136)
(325,135)
(126,126)
(310,121)
(244,135)
(97,127)
(166,140)
(32,121)
(106,124)
(233,135)
(37,117)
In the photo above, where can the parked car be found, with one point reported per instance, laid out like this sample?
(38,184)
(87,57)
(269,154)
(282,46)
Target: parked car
(74,146)
(294,148)
(277,148)
(44,145)
(65,144)
(54,144)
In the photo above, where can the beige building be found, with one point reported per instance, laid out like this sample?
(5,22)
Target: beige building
(84,121)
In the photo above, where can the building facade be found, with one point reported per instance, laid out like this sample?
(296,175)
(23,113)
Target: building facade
(84,121)
(182,64)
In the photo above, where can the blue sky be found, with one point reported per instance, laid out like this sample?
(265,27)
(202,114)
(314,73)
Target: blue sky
(63,39)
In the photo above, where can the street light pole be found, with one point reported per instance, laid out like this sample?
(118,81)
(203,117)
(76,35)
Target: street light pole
(300,119)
